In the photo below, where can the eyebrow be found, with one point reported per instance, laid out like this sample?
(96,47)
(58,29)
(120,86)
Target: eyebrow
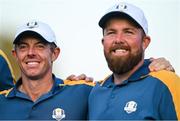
(130,28)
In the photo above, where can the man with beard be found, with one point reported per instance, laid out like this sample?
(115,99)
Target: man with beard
(132,92)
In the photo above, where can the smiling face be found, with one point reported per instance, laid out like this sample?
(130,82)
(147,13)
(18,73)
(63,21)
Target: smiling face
(124,45)
(35,57)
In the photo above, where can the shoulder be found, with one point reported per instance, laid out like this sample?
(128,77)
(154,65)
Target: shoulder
(166,77)
(101,82)
(2,60)
(79,82)
(80,87)
(66,82)
(172,81)
(3,56)
(5,92)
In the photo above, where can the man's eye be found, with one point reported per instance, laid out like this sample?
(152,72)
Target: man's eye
(22,46)
(40,46)
(109,33)
(129,32)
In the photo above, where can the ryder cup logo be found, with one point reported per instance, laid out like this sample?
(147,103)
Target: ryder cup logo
(121,7)
(130,107)
(32,24)
(58,114)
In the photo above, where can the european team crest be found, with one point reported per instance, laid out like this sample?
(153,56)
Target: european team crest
(58,114)
(130,107)
(121,7)
(32,24)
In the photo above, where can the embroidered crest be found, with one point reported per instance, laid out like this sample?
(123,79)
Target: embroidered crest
(121,7)
(32,24)
(58,114)
(130,107)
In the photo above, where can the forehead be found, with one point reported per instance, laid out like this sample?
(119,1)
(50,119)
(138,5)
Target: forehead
(118,23)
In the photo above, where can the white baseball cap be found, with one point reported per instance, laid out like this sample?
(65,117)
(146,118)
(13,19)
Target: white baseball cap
(37,27)
(130,10)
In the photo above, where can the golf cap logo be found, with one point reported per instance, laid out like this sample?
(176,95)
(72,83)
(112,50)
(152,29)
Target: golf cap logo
(121,7)
(130,107)
(32,24)
(58,114)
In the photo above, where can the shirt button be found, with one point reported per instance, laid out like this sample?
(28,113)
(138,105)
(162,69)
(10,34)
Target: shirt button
(112,96)
(33,108)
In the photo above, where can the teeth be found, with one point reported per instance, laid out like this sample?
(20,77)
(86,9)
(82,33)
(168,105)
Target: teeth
(32,63)
(120,50)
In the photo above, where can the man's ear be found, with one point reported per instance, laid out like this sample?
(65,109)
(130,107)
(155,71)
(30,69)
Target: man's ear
(102,40)
(146,41)
(56,53)
(14,53)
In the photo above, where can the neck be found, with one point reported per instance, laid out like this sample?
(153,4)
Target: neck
(119,78)
(36,88)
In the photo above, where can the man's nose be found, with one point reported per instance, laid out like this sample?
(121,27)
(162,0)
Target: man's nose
(31,51)
(119,38)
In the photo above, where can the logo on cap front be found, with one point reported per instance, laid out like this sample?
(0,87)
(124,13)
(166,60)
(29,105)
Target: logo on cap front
(32,24)
(58,114)
(121,7)
(130,107)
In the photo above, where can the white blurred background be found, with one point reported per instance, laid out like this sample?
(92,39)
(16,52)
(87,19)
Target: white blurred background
(75,23)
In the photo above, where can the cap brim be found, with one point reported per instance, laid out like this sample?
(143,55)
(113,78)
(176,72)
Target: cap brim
(28,33)
(113,14)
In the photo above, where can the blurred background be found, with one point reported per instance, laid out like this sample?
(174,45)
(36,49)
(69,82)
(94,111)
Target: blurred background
(75,23)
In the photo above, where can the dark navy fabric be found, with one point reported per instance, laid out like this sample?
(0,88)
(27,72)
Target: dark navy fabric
(73,99)
(6,78)
(137,98)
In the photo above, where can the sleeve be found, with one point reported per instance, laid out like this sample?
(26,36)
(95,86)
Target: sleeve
(6,74)
(172,81)
(166,106)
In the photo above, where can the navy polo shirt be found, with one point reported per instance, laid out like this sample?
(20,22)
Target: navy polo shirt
(6,76)
(139,97)
(72,99)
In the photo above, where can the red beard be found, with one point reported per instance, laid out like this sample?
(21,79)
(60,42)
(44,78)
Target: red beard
(121,65)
